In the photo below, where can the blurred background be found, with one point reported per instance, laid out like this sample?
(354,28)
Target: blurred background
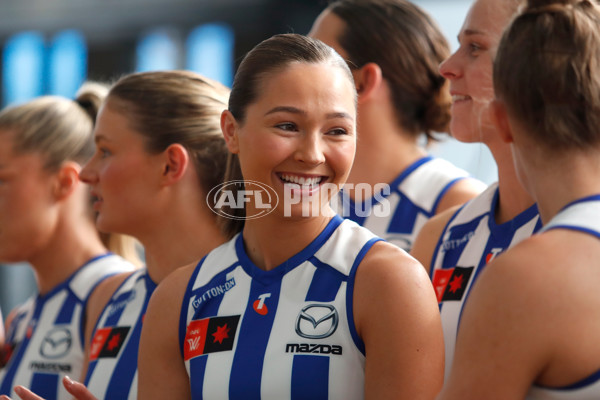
(53,46)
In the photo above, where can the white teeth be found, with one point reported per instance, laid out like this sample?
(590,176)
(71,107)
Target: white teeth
(300,180)
(459,97)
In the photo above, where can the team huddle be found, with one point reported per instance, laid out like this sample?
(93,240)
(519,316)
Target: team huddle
(433,286)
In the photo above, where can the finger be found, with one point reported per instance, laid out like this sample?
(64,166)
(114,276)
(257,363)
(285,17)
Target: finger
(26,394)
(77,390)
(4,397)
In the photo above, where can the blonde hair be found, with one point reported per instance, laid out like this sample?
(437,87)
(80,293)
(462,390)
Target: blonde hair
(60,130)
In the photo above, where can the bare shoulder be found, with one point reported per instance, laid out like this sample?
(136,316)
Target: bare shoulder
(395,277)
(429,235)
(99,298)
(459,193)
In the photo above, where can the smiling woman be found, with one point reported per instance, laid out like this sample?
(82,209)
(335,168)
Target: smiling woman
(315,306)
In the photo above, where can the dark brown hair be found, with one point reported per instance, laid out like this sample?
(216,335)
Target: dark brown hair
(547,72)
(405,42)
(268,57)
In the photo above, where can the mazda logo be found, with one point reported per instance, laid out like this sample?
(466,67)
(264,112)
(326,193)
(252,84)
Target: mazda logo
(317,321)
(56,343)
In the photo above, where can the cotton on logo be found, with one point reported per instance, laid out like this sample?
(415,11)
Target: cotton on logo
(260,306)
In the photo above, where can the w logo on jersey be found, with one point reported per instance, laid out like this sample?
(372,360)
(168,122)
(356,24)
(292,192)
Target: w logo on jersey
(451,283)
(210,335)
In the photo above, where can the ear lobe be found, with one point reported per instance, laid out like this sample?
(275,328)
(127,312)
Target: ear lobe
(177,161)
(229,127)
(368,79)
(67,179)
(500,120)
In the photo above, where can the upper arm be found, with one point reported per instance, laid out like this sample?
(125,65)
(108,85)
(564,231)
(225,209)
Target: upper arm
(459,193)
(397,318)
(428,237)
(499,349)
(162,373)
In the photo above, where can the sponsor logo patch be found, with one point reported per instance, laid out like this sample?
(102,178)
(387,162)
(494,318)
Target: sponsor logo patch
(210,335)
(317,321)
(108,342)
(56,343)
(450,284)
(313,348)
(260,306)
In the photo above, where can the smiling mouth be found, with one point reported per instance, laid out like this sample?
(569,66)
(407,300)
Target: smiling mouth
(457,98)
(301,182)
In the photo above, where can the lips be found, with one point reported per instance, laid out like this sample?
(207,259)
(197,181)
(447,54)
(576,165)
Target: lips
(457,98)
(305,184)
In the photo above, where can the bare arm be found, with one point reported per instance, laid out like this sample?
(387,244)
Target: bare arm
(502,346)
(459,193)
(397,317)
(162,373)
(428,237)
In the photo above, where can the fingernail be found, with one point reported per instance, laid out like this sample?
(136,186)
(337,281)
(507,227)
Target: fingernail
(68,381)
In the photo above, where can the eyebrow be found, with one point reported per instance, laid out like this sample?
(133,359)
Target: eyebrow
(295,110)
(100,137)
(471,32)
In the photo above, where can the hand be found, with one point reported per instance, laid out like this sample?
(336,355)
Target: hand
(78,390)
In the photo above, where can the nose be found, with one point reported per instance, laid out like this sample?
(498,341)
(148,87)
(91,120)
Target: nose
(310,149)
(449,68)
(88,172)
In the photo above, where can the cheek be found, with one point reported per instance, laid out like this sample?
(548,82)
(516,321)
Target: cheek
(342,156)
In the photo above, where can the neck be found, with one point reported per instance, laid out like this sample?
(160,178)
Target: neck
(562,179)
(384,150)
(513,198)
(71,246)
(182,239)
(269,241)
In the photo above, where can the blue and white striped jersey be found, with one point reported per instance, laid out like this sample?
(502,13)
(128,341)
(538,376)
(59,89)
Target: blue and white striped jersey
(287,333)
(112,371)
(469,242)
(45,336)
(398,214)
(582,215)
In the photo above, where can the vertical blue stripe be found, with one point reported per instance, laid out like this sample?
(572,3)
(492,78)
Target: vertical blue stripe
(325,284)
(65,315)
(310,377)
(11,369)
(67,67)
(207,309)
(210,50)
(157,51)
(23,67)
(253,337)
(45,385)
(126,367)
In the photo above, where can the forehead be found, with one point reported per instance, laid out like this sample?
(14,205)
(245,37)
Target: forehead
(489,17)
(306,85)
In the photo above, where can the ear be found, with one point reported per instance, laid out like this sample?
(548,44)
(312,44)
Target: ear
(500,119)
(176,161)
(368,79)
(67,180)
(229,127)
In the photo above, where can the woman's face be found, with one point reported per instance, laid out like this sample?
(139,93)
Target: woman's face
(299,136)
(28,203)
(124,177)
(469,70)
